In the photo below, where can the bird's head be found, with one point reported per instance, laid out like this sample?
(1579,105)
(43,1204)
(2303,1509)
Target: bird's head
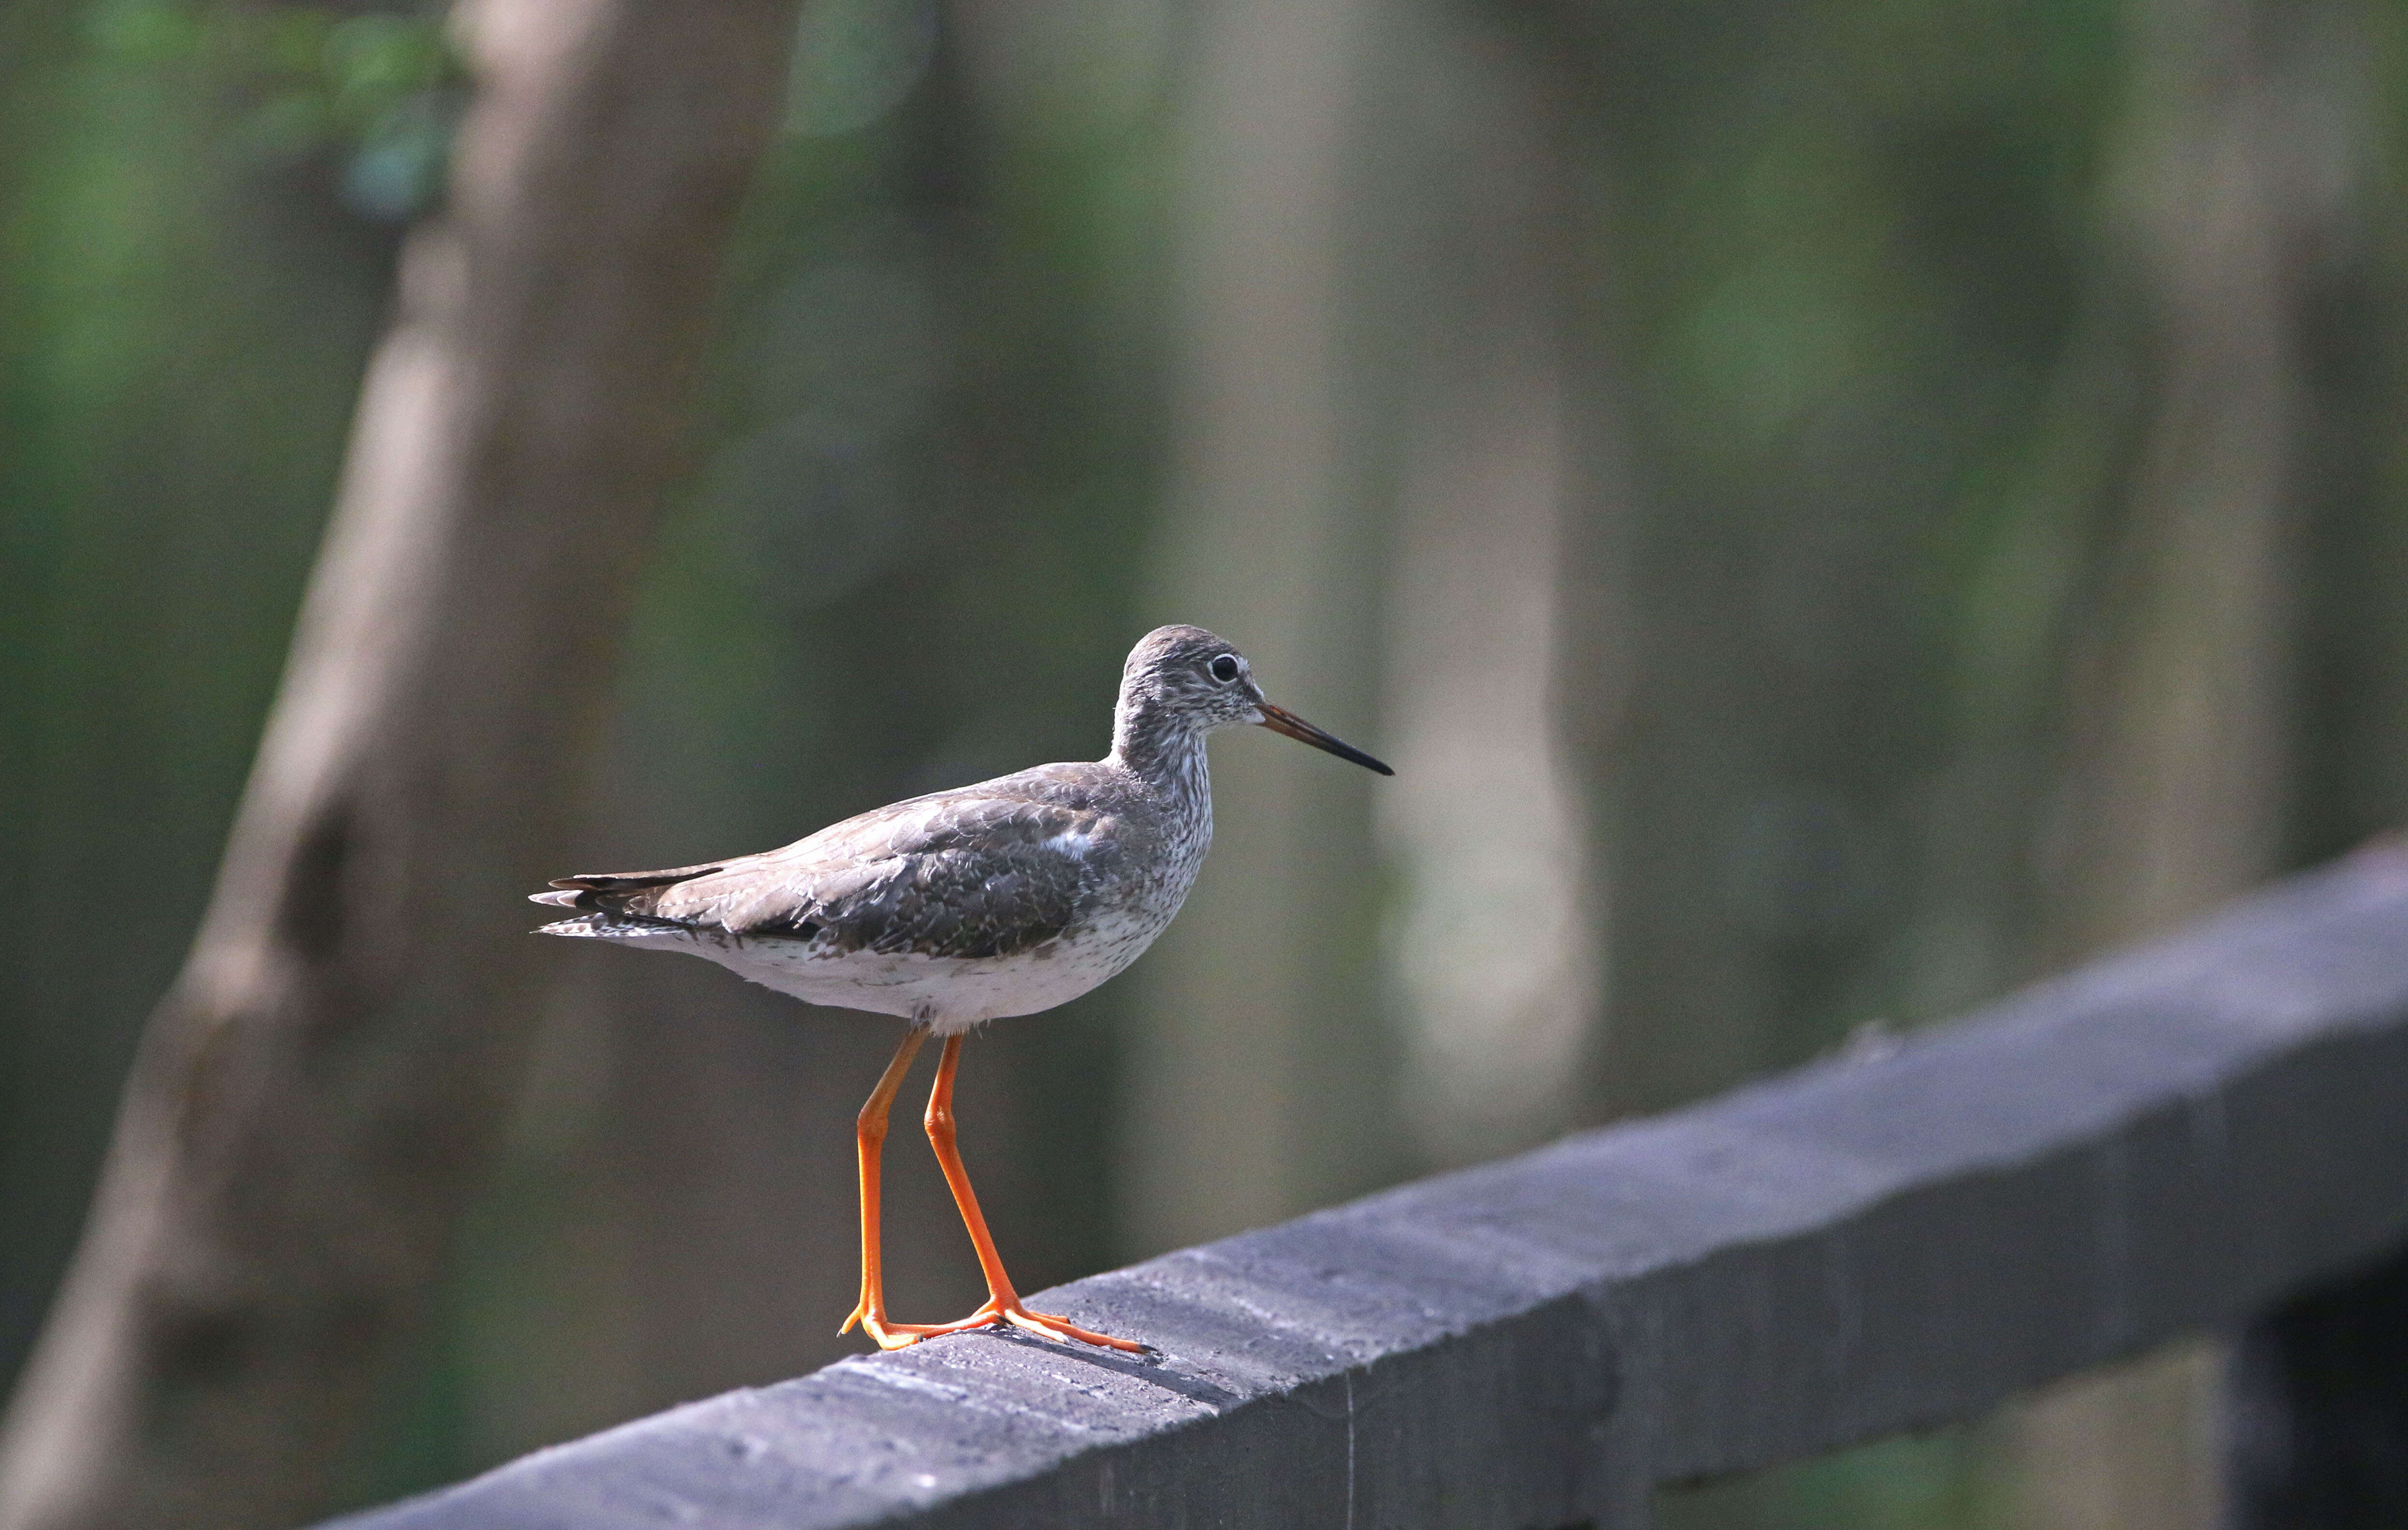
(1185,676)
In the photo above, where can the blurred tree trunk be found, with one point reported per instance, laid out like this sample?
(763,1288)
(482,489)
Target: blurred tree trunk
(2181,758)
(907,568)
(2186,703)
(908,564)
(1249,1096)
(1490,942)
(313,1096)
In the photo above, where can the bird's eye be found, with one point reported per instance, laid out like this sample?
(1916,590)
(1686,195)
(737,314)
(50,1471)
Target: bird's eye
(1224,668)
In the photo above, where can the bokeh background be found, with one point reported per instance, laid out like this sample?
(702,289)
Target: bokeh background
(1833,509)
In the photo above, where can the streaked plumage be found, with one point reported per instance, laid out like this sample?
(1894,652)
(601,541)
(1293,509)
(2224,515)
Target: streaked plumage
(1003,898)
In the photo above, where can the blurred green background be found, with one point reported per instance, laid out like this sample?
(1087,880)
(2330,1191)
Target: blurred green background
(1833,509)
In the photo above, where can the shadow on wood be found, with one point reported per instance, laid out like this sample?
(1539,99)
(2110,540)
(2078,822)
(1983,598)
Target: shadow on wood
(2162,1142)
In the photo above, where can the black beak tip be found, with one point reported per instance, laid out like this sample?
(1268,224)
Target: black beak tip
(1293,727)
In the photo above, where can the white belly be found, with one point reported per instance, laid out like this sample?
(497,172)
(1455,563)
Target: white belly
(951,993)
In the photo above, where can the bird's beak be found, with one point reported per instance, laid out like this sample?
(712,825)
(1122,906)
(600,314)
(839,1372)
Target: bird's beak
(1297,728)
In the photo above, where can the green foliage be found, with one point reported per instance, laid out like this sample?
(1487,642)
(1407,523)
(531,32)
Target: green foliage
(182,325)
(379,91)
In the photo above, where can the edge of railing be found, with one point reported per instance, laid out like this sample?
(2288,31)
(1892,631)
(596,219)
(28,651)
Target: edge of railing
(2157,1144)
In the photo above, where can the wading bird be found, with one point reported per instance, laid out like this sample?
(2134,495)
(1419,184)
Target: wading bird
(1003,898)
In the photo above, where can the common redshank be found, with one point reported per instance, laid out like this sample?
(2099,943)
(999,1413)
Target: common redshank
(1003,898)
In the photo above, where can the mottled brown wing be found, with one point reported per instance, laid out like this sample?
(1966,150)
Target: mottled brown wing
(942,876)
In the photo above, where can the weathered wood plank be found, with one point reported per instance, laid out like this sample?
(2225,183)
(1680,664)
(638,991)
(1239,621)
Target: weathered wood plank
(2166,1140)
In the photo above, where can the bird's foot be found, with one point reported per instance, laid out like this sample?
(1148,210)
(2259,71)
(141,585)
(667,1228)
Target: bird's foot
(888,1335)
(1047,1325)
(994,1311)
(885,1334)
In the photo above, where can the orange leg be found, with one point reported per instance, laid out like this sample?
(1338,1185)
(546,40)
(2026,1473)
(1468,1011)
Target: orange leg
(870,1137)
(1003,1304)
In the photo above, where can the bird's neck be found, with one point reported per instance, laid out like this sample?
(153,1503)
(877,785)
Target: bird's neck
(1164,752)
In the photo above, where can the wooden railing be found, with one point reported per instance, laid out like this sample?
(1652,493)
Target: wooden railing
(2185,1138)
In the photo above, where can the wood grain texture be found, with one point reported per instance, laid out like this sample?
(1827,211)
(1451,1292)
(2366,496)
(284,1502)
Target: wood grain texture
(2165,1141)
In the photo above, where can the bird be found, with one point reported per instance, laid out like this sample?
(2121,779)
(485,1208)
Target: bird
(951,910)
